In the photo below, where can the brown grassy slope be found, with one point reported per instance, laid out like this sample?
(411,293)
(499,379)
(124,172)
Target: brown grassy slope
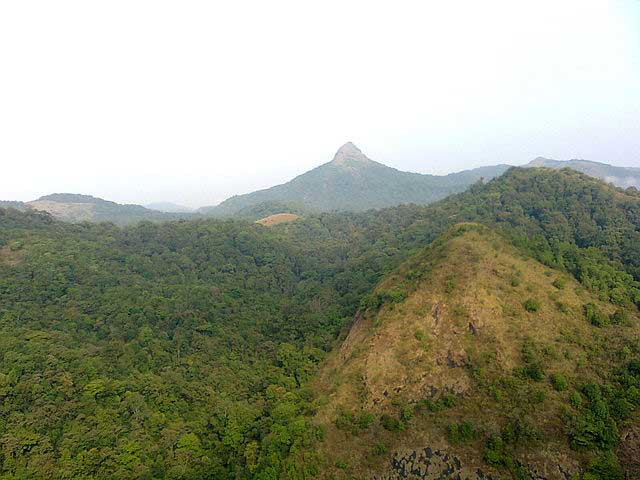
(277,219)
(72,212)
(459,334)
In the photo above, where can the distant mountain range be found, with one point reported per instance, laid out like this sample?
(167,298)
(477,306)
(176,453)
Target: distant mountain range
(168,207)
(353,182)
(350,182)
(74,207)
(623,177)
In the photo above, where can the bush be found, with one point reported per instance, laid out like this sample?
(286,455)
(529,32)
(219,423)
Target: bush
(449,285)
(592,427)
(531,305)
(420,335)
(605,467)
(619,317)
(448,400)
(365,420)
(355,424)
(379,449)
(462,432)
(16,245)
(575,399)
(391,424)
(559,382)
(380,298)
(594,315)
(534,371)
(406,413)
(559,283)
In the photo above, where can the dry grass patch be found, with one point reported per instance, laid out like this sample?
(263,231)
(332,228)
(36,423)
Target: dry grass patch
(277,219)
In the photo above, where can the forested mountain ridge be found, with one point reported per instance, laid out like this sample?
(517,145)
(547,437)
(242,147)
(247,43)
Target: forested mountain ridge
(350,182)
(623,177)
(186,349)
(78,208)
(353,182)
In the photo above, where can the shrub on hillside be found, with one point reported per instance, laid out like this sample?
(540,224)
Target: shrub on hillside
(619,317)
(531,305)
(462,432)
(595,317)
(559,382)
(391,424)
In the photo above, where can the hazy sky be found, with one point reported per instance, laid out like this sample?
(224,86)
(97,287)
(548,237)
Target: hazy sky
(191,101)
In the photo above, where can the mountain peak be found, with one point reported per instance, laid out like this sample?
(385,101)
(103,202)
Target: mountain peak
(349,151)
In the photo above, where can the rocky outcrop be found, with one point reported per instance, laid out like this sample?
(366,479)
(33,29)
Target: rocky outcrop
(428,464)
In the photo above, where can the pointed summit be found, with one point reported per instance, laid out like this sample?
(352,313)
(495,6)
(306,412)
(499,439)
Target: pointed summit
(349,151)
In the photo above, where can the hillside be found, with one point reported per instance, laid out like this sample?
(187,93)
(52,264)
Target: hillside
(86,208)
(475,361)
(188,349)
(353,182)
(623,177)
(13,204)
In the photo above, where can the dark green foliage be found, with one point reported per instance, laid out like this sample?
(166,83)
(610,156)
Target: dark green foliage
(594,316)
(428,405)
(354,423)
(531,305)
(532,364)
(406,413)
(379,449)
(463,432)
(575,399)
(392,423)
(559,283)
(605,467)
(619,317)
(381,297)
(559,382)
(498,454)
(592,426)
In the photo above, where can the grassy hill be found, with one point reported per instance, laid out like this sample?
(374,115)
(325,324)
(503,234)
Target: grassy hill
(80,208)
(353,182)
(473,359)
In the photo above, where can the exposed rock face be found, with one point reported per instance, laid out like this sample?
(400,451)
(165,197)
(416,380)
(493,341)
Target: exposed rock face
(349,153)
(629,451)
(434,464)
(428,464)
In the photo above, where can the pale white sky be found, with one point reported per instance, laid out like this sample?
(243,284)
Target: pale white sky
(193,101)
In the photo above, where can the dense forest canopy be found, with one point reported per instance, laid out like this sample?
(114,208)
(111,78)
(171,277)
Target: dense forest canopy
(184,349)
